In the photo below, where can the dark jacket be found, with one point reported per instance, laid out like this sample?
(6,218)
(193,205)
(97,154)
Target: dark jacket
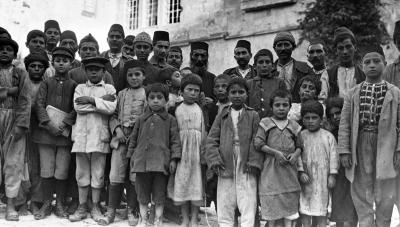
(117,72)
(234,72)
(150,71)
(154,142)
(219,146)
(333,79)
(59,93)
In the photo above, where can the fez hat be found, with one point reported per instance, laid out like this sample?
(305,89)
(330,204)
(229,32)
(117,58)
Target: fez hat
(67,34)
(160,36)
(199,46)
(51,24)
(245,44)
(118,28)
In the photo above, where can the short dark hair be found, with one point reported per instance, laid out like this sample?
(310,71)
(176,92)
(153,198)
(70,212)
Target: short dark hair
(312,106)
(166,74)
(333,102)
(191,79)
(280,93)
(141,69)
(238,81)
(222,77)
(313,79)
(157,87)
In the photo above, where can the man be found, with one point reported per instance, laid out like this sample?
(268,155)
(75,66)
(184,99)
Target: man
(175,57)
(68,40)
(127,48)
(160,49)
(392,75)
(117,60)
(290,70)
(346,74)
(316,56)
(242,56)
(36,41)
(52,32)
(143,47)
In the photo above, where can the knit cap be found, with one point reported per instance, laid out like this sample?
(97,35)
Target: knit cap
(285,36)
(37,56)
(143,37)
(343,32)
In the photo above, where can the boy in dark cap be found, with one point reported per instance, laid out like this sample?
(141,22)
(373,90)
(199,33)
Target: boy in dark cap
(91,136)
(290,70)
(127,48)
(14,123)
(316,56)
(160,47)
(346,74)
(175,57)
(68,40)
(35,41)
(242,54)
(369,142)
(116,59)
(55,113)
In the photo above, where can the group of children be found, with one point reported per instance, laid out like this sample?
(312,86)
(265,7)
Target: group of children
(304,161)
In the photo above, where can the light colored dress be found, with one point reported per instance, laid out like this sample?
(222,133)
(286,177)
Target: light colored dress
(188,184)
(319,159)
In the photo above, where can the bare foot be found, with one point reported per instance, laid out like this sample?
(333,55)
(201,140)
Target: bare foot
(23,210)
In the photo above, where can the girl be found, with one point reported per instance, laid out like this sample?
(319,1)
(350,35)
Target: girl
(319,165)
(277,138)
(187,187)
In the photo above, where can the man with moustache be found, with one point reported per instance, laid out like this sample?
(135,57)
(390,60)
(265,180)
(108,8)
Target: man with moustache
(175,57)
(316,56)
(117,60)
(290,70)
(68,40)
(160,49)
(53,34)
(242,56)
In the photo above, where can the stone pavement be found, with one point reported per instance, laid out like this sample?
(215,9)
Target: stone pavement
(53,221)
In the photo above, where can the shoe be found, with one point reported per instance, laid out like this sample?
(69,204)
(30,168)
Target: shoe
(108,217)
(95,212)
(60,211)
(73,206)
(133,217)
(44,211)
(80,213)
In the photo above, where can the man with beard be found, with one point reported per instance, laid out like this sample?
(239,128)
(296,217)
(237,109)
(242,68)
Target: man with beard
(117,60)
(127,48)
(143,47)
(160,49)
(52,32)
(175,57)
(290,70)
(316,56)
(243,55)
(68,40)
(346,74)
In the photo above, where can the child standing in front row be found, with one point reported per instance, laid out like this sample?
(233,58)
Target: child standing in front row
(156,149)
(91,136)
(187,186)
(278,140)
(230,153)
(319,165)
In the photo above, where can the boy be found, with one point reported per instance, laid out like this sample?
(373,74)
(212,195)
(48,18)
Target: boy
(131,103)
(55,113)
(235,162)
(369,142)
(171,77)
(15,107)
(35,41)
(154,149)
(91,136)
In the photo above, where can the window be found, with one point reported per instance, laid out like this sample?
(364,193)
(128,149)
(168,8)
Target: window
(152,11)
(133,14)
(89,8)
(174,11)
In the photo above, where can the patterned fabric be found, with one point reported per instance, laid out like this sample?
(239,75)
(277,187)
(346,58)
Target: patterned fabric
(371,102)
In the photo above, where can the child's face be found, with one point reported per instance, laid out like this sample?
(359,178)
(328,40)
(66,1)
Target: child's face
(220,89)
(6,54)
(176,79)
(280,108)
(94,74)
(373,65)
(334,116)
(263,66)
(191,93)
(156,101)
(312,121)
(307,91)
(134,77)
(237,96)
(36,44)
(61,64)
(142,50)
(36,70)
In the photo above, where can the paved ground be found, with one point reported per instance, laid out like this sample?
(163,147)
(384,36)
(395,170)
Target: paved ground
(53,221)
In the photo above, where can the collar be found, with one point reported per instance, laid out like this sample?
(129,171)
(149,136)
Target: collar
(317,72)
(287,64)
(60,78)
(148,113)
(90,84)
(376,84)
(114,56)
(226,111)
